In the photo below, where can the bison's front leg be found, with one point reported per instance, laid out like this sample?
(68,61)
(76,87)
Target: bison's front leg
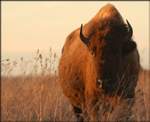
(92,104)
(78,113)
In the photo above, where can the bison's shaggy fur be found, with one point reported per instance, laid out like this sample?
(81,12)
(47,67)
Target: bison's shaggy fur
(107,56)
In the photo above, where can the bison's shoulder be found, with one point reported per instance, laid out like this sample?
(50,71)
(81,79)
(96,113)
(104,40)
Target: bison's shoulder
(71,38)
(73,35)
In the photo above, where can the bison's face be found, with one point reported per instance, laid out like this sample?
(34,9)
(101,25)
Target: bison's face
(108,47)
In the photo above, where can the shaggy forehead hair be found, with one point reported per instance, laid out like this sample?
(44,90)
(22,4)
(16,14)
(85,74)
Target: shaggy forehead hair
(108,29)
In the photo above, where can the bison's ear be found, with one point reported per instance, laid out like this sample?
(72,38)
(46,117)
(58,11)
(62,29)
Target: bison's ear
(128,47)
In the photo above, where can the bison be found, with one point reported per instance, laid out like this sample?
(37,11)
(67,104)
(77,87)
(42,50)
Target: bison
(99,64)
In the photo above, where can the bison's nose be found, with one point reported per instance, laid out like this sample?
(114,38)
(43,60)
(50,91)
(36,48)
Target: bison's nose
(99,83)
(103,83)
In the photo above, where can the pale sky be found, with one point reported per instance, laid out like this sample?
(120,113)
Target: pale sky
(30,25)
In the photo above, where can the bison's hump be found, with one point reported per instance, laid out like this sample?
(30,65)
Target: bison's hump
(108,11)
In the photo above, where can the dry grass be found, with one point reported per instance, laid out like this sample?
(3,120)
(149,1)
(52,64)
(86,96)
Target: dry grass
(38,97)
(142,106)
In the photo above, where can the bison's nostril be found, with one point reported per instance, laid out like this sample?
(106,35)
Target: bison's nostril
(103,83)
(107,80)
(99,83)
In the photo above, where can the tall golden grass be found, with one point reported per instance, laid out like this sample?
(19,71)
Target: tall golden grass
(38,96)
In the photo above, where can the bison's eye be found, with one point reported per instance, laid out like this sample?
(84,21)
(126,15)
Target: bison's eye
(118,52)
(92,53)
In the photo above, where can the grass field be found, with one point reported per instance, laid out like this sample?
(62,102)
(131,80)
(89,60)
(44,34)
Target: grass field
(38,96)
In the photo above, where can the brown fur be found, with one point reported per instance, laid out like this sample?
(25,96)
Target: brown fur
(78,69)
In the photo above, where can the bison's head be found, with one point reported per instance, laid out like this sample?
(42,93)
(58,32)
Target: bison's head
(109,42)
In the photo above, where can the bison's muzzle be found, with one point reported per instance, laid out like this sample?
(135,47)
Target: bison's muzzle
(103,84)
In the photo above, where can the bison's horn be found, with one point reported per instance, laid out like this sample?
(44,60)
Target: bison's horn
(129,35)
(84,39)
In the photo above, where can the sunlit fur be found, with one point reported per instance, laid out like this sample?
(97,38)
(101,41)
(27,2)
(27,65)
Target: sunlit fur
(78,69)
